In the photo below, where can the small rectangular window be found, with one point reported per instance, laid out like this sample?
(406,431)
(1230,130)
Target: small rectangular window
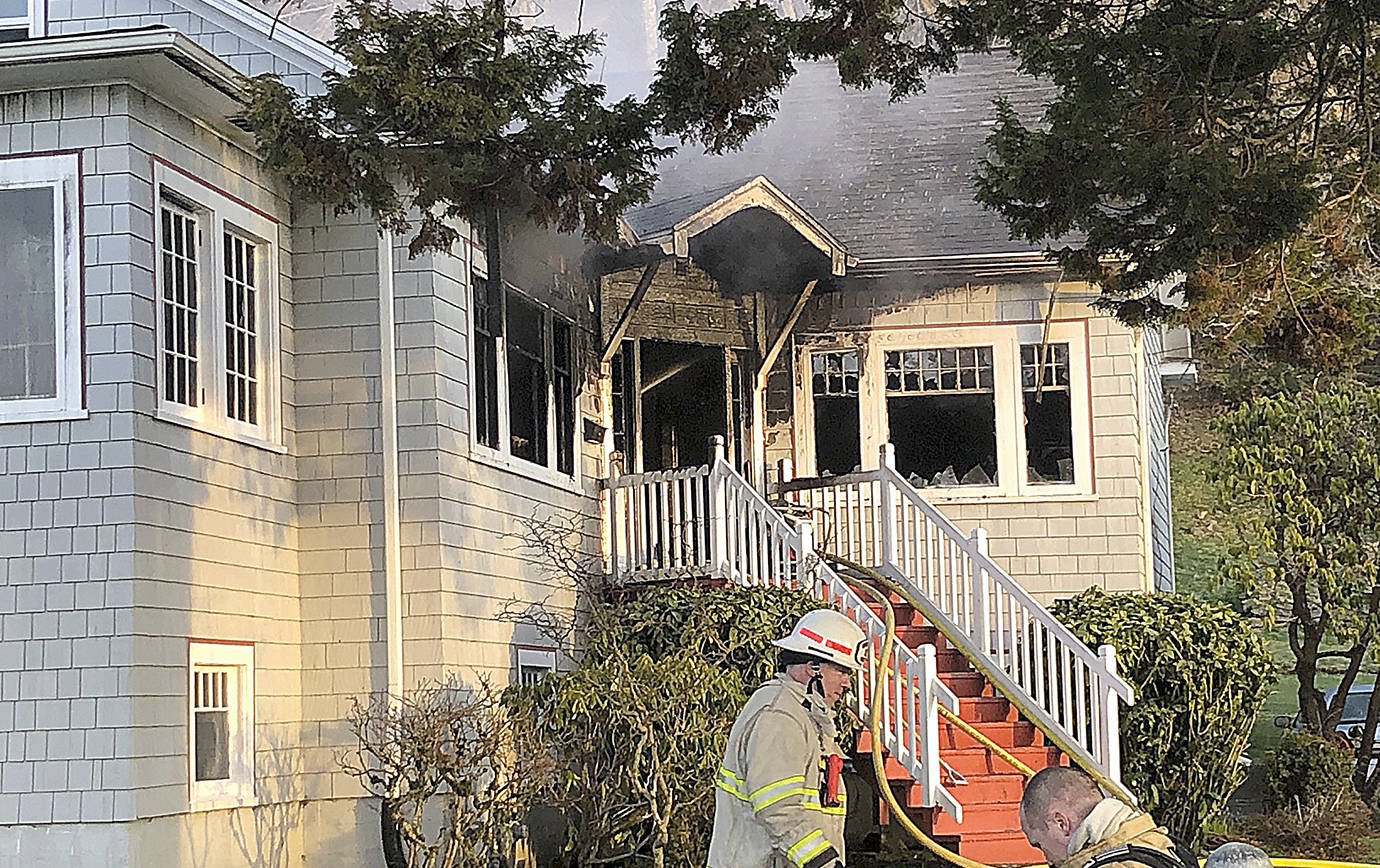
(40,288)
(834,389)
(221,725)
(534,664)
(1049,449)
(621,393)
(487,328)
(941,412)
(21,19)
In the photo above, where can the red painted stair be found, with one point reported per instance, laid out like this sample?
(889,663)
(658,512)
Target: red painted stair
(990,831)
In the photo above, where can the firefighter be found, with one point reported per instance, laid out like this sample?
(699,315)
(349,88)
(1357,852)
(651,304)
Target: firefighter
(780,800)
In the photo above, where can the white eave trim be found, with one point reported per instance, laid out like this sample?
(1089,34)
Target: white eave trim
(757,193)
(113,44)
(278,31)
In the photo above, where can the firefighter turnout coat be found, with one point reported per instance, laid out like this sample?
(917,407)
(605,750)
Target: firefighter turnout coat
(769,808)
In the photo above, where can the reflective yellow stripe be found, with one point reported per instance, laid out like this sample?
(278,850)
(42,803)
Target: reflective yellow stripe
(808,847)
(729,789)
(776,791)
(812,803)
(760,805)
(730,783)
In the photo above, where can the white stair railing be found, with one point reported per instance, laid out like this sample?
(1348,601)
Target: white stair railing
(710,522)
(1070,691)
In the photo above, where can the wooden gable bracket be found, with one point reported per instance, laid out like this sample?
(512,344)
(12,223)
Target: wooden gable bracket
(615,339)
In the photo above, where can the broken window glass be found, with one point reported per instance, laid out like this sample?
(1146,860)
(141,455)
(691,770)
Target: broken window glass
(1048,413)
(941,412)
(834,387)
(622,391)
(487,320)
(526,379)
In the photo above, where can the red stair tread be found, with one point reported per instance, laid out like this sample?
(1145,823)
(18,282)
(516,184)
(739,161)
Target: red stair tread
(980,789)
(999,848)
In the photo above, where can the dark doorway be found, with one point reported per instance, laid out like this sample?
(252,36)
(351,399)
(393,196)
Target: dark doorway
(683,403)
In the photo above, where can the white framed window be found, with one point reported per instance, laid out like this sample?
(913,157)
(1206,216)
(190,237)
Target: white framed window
(220,725)
(40,288)
(523,383)
(970,410)
(217,292)
(22,19)
(534,664)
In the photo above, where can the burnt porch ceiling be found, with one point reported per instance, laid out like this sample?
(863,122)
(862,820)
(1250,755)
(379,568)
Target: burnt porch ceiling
(746,234)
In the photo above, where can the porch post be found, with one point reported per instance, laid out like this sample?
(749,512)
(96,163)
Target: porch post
(886,492)
(1111,716)
(718,508)
(982,590)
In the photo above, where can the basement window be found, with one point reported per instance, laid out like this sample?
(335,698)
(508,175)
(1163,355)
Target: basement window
(220,697)
(941,412)
(834,391)
(1049,449)
(534,664)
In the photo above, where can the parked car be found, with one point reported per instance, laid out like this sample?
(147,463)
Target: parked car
(1352,725)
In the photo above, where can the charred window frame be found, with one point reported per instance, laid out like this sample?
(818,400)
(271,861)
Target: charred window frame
(942,415)
(834,378)
(1048,407)
(524,378)
(623,397)
(488,330)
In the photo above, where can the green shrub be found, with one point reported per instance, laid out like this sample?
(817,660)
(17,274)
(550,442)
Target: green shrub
(1306,770)
(1201,674)
(729,627)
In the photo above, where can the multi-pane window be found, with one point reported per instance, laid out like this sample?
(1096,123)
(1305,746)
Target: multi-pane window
(180,305)
(1048,413)
(40,288)
(834,388)
(524,364)
(217,314)
(941,412)
(241,330)
(220,749)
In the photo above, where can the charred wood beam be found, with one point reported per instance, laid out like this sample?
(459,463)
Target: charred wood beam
(779,343)
(624,320)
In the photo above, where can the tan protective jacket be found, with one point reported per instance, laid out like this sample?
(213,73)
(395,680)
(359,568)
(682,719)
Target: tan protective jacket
(1139,828)
(768,811)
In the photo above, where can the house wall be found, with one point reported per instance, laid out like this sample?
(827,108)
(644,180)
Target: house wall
(1055,545)
(1157,432)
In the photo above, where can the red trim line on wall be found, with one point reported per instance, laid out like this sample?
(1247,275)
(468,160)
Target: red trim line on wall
(208,185)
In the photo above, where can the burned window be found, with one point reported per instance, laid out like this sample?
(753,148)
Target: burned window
(1048,413)
(562,385)
(622,394)
(834,390)
(488,308)
(526,335)
(941,412)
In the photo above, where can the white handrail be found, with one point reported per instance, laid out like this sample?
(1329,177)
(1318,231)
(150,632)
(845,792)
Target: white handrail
(877,517)
(712,520)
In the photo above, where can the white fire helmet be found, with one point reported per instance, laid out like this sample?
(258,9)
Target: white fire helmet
(829,635)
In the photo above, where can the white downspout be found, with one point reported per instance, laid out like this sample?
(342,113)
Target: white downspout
(388,420)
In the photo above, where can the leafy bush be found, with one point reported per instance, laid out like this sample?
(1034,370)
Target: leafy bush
(1305,769)
(638,729)
(1313,810)
(1201,674)
(729,627)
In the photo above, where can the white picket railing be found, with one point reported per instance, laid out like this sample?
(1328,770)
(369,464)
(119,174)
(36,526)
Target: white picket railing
(709,521)
(877,518)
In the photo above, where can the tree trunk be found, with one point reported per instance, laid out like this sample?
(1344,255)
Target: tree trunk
(394,856)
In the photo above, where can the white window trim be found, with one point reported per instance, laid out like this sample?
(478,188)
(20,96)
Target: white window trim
(535,658)
(62,174)
(36,21)
(218,214)
(1005,340)
(239,790)
(500,458)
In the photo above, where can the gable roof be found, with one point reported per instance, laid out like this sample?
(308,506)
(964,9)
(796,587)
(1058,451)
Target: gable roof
(893,181)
